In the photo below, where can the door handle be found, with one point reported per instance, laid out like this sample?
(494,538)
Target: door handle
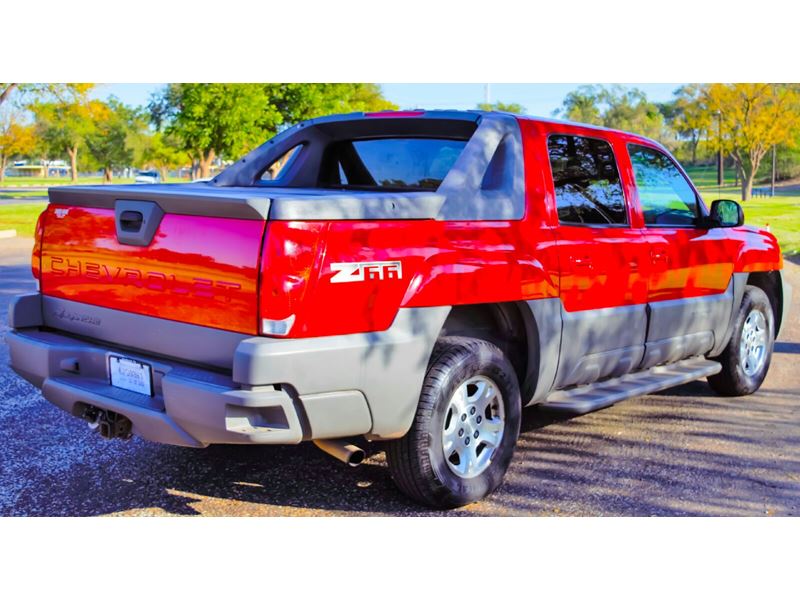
(581,262)
(657,256)
(131,220)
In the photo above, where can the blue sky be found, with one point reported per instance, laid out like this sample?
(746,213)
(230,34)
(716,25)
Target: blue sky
(538,98)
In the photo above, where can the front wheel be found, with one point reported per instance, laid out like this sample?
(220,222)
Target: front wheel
(745,360)
(465,429)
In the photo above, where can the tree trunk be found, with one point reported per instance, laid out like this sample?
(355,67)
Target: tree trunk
(747,185)
(205,164)
(73,161)
(107,174)
(4,95)
(2,168)
(163,171)
(695,142)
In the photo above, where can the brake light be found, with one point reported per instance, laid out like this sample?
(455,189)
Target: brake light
(36,257)
(287,267)
(394,114)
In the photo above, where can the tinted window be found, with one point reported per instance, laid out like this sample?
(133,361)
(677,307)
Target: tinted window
(280,165)
(665,195)
(586,180)
(393,163)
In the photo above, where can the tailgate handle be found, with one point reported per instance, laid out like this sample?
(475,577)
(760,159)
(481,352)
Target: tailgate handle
(137,221)
(131,220)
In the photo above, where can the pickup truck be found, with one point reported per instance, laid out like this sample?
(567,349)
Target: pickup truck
(411,278)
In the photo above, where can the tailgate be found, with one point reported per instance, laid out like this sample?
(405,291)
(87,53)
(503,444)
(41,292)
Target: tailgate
(136,255)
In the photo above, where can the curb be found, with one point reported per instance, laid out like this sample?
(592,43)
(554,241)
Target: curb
(8,233)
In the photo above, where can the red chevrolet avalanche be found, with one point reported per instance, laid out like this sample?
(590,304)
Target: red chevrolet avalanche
(414,278)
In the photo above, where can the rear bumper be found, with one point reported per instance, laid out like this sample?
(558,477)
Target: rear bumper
(278,391)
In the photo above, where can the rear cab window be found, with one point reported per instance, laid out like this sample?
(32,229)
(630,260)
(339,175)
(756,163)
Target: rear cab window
(404,164)
(666,197)
(586,181)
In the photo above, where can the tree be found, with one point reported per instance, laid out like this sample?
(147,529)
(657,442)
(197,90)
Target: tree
(163,152)
(64,123)
(511,107)
(630,110)
(34,91)
(614,107)
(689,116)
(108,141)
(5,91)
(16,139)
(582,106)
(300,101)
(228,119)
(215,119)
(754,118)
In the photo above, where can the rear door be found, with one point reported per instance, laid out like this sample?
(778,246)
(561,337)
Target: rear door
(690,265)
(603,291)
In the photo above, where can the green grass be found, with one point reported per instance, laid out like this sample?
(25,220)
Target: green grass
(23,194)
(21,217)
(52,181)
(706,175)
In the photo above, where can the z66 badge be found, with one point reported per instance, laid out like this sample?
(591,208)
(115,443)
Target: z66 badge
(362,271)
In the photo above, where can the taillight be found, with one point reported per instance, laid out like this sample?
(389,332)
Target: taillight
(287,267)
(36,257)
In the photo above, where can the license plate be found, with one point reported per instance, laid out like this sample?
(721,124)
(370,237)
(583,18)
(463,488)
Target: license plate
(132,375)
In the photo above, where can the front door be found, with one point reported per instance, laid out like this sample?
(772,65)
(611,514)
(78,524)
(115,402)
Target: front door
(690,290)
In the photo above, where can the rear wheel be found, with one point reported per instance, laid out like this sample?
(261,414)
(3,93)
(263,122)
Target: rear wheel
(745,360)
(465,429)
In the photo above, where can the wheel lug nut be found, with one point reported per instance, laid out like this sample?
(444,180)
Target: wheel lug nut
(466,441)
(464,417)
(479,419)
(460,432)
(472,410)
(475,435)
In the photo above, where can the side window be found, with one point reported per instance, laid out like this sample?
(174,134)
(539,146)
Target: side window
(280,165)
(665,195)
(586,179)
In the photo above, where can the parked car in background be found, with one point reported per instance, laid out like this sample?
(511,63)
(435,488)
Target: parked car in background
(415,278)
(148,177)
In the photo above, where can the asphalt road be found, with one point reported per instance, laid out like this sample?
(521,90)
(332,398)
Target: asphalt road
(681,452)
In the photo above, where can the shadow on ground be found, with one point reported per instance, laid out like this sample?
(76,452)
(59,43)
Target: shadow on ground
(669,457)
(685,451)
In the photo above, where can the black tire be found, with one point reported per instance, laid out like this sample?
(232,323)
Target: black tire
(733,380)
(417,461)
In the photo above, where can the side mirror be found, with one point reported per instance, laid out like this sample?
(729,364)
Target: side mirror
(726,213)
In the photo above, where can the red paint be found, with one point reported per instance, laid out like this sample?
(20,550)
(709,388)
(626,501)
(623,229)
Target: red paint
(197,270)
(208,271)
(463,262)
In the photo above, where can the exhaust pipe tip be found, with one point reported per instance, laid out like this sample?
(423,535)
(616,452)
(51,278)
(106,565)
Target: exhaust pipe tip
(349,454)
(92,416)
(357,456)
